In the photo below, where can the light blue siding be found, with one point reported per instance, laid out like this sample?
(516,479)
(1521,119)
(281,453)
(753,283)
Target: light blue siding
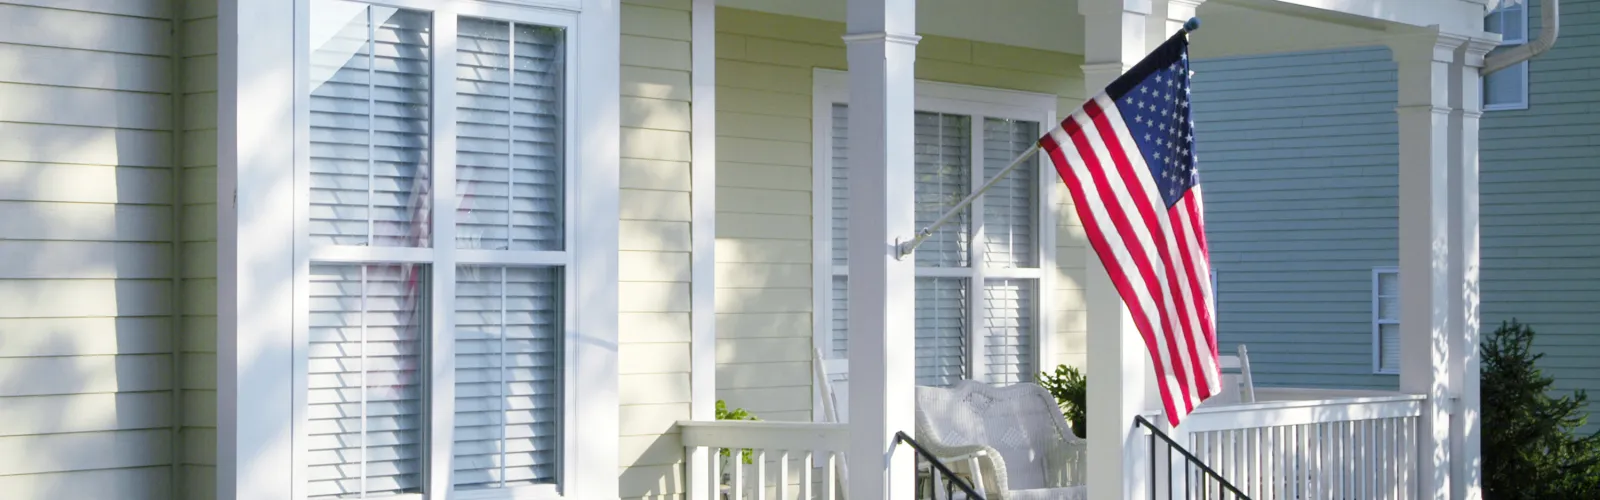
(1541,205)
(1298,159)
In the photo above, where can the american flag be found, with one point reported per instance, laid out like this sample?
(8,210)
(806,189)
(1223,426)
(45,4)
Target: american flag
(1128,158)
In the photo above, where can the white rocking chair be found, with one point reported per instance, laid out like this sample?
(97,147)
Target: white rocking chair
(1012,440)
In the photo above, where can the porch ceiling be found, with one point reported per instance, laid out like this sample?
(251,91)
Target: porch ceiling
(1232,27)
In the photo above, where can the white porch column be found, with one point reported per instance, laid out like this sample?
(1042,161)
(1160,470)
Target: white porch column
(881,40)
(1115,34)
(1439,109)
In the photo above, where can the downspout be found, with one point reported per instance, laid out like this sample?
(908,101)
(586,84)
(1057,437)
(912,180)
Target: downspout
(1550,17)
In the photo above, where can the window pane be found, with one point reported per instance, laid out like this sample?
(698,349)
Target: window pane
(1389,283)
(365,380)
(944,178)
(508,331)
(941,323)
(1010,318)
(841,184)
(840,337)
(1389,308)
(509,136)
(1010,208)
(1492,22)
(369,125)
(1389,342)
(1515,29)
(1507,87)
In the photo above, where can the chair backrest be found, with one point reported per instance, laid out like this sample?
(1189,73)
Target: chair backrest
(1018,421)
(1237,384)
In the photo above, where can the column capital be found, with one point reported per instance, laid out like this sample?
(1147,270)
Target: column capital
(1426,45)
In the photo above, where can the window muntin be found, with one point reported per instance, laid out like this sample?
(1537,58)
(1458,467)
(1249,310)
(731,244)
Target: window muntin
(501,299)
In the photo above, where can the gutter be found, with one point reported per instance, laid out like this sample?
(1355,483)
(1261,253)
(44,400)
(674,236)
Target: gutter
(1550,15)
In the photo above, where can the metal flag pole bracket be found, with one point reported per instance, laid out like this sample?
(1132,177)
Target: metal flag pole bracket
(905,247)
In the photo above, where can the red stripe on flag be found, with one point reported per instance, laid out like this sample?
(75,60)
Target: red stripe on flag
(1161,236)
(1101,245)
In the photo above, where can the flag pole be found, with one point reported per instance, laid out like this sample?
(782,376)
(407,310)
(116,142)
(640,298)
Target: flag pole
(904,248)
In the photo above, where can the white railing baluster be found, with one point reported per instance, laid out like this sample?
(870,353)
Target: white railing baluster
(783,475)
(738,473)
(805,476)
(761,474)
(833,476)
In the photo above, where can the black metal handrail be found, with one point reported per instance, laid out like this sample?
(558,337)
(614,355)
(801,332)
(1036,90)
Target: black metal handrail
(952,481)
(1224,489)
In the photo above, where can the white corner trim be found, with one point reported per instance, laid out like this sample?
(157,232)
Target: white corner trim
(703,236)
(595,443)
(256,258)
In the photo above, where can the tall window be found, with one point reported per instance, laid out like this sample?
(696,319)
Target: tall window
(1508,88)
(1386,321)
(979,277)
(399,279)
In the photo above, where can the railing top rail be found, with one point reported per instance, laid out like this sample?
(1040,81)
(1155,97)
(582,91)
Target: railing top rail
(765,435)
(1284,413)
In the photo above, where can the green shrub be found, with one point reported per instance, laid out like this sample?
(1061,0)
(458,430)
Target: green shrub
(1531,449)
(736,414)
(1070,389)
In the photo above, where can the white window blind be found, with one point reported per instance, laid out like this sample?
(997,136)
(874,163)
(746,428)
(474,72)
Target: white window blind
(507,372)
(364,381)
(943,171)
(508,143)
(1386,319)
(941,325)
(1002,328)
(370,127)
(1009,330)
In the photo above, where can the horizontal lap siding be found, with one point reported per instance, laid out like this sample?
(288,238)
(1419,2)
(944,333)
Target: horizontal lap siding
(655,246)
(86,267)
(198,332)
(1541,225)
(1299,158)
(764,200)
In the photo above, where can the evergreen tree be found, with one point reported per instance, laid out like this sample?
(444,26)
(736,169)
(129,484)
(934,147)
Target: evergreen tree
(1531,447)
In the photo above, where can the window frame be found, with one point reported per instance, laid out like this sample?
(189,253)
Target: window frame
(832,87)
(1377,320)
(1521,68)
(265,252)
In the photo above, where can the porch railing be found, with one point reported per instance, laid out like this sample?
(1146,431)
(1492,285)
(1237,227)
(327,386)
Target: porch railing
(1332,449)
(785,459)
(1185,475)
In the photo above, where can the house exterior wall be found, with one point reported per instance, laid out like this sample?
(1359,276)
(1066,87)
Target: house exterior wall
(1540,181)
(1308,324)
(655,258)
(764,199)
(87,267)
(1299,162)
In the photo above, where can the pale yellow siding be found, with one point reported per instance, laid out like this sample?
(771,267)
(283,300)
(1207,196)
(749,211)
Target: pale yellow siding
(87,286)
(199,232)
(655,246)
(764,199)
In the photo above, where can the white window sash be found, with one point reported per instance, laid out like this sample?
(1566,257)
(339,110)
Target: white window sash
(1378,321)
(978,104)
(442,256)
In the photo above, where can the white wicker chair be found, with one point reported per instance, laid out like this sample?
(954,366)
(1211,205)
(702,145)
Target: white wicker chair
(1014,436)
